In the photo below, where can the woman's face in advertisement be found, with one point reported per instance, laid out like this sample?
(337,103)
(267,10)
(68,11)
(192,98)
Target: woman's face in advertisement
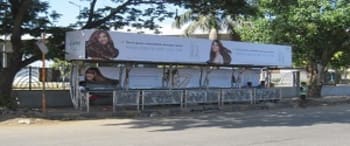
(215,47)
(90,76)
(103,38)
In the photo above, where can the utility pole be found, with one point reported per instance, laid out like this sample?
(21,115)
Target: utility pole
(44,51)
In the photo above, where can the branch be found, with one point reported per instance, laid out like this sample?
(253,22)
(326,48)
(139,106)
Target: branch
(18,11)
(92,24)
(91,12)
(30,60)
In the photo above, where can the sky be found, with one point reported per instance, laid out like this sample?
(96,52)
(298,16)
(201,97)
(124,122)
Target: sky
(69,10)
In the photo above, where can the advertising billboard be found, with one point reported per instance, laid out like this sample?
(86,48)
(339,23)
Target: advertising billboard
(109,45)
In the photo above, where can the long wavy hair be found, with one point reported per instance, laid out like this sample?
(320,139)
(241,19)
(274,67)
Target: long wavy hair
(223,51)
(95,49)
(98,77)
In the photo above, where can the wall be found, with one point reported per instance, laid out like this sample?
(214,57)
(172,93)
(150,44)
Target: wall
(288,92)
(61,98)
(54,98)
(335,91)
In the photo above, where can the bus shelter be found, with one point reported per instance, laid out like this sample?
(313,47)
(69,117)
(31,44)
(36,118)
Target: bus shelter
(146,70)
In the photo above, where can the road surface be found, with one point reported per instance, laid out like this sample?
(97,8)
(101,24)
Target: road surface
(314,126)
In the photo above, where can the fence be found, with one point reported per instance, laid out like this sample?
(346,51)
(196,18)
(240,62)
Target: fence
(181,97)
(29,78)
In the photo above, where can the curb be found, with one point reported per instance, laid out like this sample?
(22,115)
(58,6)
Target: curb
(72,114)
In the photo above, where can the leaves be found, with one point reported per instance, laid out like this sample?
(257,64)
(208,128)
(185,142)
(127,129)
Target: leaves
(315,29)
(139,14)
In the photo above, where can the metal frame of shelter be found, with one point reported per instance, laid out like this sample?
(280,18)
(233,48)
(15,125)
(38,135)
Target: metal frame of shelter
(167,95)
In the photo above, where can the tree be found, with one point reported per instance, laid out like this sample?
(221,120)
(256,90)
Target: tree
(316,29)
(213,16)
(225,7)
(20,17)
(64,67)
(209,22)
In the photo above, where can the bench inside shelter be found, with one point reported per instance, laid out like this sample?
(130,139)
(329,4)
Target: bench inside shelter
(98,91)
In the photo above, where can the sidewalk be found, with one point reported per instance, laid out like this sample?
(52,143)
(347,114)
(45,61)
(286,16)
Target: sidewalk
(100,112)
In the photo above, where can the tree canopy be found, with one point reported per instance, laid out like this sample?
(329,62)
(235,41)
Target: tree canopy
(135,13)
(316,29)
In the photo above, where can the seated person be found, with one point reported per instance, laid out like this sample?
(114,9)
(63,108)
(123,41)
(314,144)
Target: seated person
(261,85)
(249,85)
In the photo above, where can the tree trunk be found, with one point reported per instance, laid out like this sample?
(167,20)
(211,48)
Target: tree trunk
(316,77)
(7,76)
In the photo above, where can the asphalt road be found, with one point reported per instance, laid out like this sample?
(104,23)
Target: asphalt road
(315,126)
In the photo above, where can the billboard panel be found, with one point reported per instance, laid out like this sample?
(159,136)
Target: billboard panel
(106,45)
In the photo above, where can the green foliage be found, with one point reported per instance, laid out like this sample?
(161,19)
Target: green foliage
(223,7)
(255,30)
(63,66)
(27,17)
(36,17)
(212,16)
(138,14)
(210,23)
(316,29)
(340,60)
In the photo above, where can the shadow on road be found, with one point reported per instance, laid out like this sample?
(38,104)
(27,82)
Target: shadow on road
(279,117)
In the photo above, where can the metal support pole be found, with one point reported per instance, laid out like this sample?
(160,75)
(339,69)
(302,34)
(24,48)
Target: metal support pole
(219,98)
(170,80)
(77,96)
(128,68)
(4,55)
(143,100)
(138,101)
(114,100)
(43,71)
(296,79)
(87,101)
(201,78)
(252,96)
(30,77)
(184,100)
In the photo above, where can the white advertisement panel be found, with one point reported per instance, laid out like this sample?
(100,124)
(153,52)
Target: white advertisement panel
(145,78)
(187,78)
(249,75)
(220,78)
(223,78)
(75,45)
(99,44)
(150,78)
